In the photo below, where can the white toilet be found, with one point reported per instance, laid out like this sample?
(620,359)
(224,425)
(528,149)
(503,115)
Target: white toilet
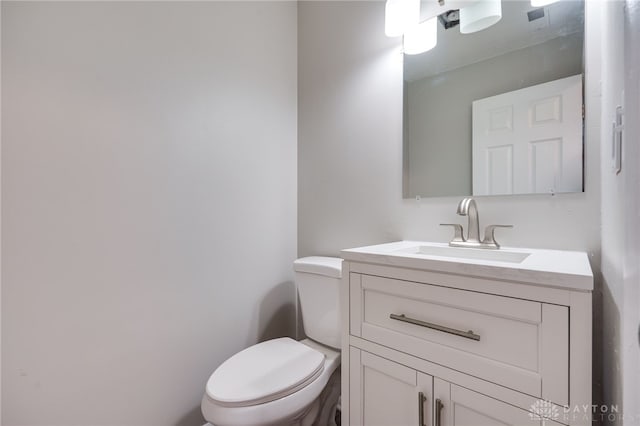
(278,382)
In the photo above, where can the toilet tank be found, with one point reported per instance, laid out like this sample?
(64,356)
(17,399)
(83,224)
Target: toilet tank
(318,281)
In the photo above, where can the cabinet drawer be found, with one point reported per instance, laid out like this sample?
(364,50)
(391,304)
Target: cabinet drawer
(520,344)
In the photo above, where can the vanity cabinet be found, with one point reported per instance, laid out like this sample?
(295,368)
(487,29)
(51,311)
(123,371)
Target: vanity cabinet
(387,393)
(464,407)
(450,342)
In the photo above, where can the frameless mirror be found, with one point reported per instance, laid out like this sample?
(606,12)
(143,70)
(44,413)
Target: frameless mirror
(499,111)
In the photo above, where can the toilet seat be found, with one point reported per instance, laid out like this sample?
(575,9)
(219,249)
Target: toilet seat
(283,411)
(265,372)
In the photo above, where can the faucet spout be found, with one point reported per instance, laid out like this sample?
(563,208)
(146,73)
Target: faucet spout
(467,207)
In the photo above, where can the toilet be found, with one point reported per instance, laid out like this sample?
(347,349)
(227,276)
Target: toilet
(280,381)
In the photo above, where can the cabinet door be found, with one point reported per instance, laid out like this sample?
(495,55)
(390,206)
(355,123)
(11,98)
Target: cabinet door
(384,393)
(464,407)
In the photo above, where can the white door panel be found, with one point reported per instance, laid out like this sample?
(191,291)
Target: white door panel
(529,140)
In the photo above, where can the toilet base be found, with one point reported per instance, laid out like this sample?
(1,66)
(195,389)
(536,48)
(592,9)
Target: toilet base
(328,401)
(322,411)
(306,418)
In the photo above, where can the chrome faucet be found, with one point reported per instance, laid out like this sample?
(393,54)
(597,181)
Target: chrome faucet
(468,207)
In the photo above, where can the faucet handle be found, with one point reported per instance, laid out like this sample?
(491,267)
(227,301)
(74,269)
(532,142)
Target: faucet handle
(489,235)
(457,232)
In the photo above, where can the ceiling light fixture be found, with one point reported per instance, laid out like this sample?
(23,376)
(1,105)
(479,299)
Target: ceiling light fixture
(480,16)
(450,19)
(400,15)
(421,37)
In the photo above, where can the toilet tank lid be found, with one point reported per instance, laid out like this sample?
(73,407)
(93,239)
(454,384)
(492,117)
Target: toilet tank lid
(327,266)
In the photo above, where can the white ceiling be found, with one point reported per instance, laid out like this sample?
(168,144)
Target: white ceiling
(512,32)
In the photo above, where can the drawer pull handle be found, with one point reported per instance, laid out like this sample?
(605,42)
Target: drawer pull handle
(421,400)
(439,407)
(466,334)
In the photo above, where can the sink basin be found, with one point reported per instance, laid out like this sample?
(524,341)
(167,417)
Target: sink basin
(550,268)
(468,253)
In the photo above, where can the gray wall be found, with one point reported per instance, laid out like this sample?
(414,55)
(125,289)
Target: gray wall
(612,214)
(350,150)
(438,116)
(631,205)
(620,23)
(148,202)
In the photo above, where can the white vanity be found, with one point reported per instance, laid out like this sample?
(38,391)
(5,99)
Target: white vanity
(441,336)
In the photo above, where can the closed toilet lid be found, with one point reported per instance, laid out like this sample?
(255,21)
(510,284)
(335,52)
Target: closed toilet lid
(265,372)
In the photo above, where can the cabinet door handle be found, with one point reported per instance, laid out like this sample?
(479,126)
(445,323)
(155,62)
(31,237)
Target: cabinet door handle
(421,400)
(466,334)
(439,407)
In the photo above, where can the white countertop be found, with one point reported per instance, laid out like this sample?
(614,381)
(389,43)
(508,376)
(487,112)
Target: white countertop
(552,268)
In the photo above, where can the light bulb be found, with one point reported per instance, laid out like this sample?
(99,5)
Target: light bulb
(480,15)
(421,37)
(399,15)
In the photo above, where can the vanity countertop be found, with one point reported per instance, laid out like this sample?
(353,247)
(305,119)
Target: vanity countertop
(550,268)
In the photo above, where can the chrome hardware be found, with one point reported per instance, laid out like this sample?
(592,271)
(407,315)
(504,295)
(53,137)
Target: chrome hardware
(468,207)
(439,407)
(457,232)
(489,235)
(618,130)
(466,334)
(421,400)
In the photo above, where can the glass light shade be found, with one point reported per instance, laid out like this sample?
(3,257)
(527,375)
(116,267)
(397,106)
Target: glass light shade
(421,37)
(480,15)
(540,3)
(399,15)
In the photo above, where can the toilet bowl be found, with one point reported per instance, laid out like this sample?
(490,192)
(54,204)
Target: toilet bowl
(278,382)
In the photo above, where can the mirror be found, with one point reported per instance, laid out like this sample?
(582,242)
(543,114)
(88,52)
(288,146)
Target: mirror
(499,111)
